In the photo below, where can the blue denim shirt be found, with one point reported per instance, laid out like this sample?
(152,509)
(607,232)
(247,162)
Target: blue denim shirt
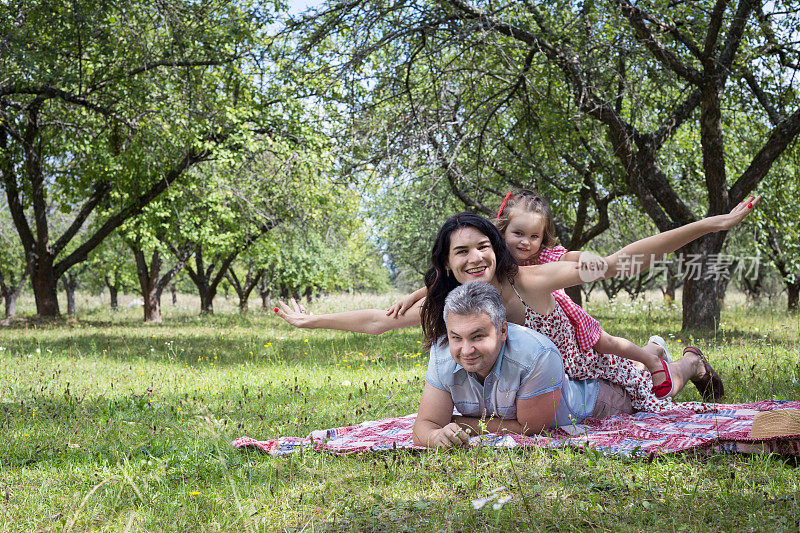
(529,364)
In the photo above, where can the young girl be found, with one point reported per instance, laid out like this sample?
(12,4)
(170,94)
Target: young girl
(526,223)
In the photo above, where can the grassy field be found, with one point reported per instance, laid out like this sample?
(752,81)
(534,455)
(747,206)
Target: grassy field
(110,424)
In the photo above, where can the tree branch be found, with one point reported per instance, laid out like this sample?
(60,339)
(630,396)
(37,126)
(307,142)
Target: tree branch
(101,190)
(191,158)
(45,92)
(12,194)
(779,139)
(775,116)
(664,56)
(714,26)
(733,40)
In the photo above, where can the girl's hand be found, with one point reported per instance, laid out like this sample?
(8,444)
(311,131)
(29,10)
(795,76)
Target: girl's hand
(592,267)
(295,314)
(738,213)
(396,309)
(400,308)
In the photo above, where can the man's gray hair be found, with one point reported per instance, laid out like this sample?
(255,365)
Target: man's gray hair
(473,298)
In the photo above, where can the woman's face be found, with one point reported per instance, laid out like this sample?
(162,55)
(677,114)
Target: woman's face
(471,256)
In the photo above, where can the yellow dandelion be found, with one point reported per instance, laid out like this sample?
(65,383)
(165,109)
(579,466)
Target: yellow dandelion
(194,493)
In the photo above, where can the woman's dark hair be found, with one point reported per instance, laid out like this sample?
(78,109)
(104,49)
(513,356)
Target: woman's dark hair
(439,283)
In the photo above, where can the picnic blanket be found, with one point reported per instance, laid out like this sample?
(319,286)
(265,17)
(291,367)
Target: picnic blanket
(726,430)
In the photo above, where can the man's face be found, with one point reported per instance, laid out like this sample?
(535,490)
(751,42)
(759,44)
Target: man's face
(475,344)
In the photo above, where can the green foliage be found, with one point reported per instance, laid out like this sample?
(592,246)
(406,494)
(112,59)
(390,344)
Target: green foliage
(112,260)
(329,251)
(776,220)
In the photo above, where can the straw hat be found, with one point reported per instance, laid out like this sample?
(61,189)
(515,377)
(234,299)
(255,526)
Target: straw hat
(778,423)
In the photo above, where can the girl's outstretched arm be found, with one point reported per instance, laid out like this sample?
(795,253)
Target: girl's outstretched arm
(373,321)
(639,255)
(633,258)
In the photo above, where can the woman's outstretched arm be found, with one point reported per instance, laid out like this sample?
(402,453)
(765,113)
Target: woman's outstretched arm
(373,321)
(633,258)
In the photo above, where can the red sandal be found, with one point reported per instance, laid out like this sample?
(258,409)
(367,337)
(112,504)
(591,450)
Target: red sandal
(664,389)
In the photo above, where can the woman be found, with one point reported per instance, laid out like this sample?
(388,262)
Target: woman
(469,248)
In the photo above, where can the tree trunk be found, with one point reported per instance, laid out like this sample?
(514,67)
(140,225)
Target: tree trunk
(702,294)
(149,283)
(575,294)
(174,291)
(207,294)
(11,305)
(793,291)
(672,285)
(112,293)
(152,306)
(11,292)
(265,292)
(45,290)
(70,283)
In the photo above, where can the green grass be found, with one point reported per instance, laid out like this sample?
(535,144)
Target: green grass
(110,424)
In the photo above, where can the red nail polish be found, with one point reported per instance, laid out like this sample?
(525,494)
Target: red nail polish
(750,205)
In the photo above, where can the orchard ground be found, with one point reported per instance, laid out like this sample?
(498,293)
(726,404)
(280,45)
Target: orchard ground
(112,424)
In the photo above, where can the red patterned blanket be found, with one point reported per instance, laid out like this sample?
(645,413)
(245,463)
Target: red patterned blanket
(725,431)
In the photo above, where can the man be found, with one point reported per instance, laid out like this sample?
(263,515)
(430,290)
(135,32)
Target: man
(500,377)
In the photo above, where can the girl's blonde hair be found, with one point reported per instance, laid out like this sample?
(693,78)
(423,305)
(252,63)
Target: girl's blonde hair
(527,202)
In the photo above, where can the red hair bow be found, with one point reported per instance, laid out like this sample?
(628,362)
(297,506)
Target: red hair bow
(503,205)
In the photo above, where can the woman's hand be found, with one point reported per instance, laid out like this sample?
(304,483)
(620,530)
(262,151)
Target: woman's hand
(738,213)
(295,314)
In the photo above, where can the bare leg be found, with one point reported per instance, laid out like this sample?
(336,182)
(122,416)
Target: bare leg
(649,356)
(685,369)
